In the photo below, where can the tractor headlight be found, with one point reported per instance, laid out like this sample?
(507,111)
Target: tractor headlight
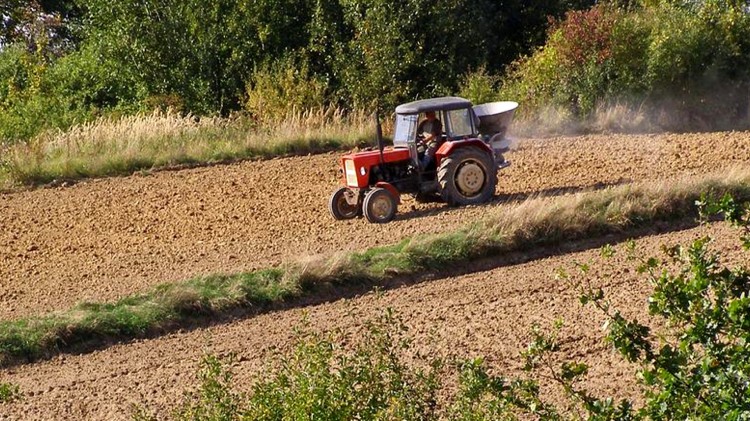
(351,173)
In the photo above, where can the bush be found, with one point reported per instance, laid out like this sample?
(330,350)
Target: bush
(22,107)
(572,68)
(698,367)
(277,88)
(686,63)
(479,86)
(320,380)
(323,380)
(38,93)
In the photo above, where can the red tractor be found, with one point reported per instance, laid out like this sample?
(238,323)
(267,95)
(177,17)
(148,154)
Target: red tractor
(462,172)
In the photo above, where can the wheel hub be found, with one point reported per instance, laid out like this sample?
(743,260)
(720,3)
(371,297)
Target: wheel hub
(345,207)
(470,178)
(381,207)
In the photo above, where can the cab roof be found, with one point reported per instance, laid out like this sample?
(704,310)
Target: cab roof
(446,103)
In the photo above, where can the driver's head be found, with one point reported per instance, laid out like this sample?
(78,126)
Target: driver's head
(430,115)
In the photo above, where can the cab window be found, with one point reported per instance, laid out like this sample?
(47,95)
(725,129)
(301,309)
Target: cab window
(406,129)
(460,123)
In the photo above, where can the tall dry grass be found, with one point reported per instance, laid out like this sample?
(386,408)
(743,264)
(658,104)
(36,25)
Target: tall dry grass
(537,221)
(613,117)
(632,117)
(113,146)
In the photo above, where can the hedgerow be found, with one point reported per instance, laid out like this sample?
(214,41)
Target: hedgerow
(685,63)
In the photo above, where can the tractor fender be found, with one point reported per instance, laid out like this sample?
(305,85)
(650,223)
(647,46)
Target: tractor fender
(391,189)
(448,148)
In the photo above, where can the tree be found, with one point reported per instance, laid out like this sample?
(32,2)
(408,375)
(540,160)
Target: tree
(39,24)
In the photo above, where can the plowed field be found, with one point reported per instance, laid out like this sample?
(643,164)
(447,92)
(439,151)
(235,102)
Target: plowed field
(103,239)
(486,313)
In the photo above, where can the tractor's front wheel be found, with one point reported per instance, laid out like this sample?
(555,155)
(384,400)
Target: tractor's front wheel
(379,206)
(340,207)
(467,177)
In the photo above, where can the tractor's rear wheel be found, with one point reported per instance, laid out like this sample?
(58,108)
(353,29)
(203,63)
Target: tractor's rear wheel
(379,206)
(467,177)
(340,207)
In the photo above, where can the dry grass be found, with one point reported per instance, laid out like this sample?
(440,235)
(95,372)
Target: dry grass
(539,220)
(629,116)
(615,117)
(111,146)
(534,222)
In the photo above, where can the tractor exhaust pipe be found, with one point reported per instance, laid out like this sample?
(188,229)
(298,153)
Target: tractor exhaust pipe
(379,134)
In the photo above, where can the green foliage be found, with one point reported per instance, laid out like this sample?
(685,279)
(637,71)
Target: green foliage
(687,60)
(571,68)
(207,58)
(89,80)
(698,368)
(9,392)
(371,380)
(283,86)
(22,107)
(479,86)
(735,212)
(214,399)
(321,381)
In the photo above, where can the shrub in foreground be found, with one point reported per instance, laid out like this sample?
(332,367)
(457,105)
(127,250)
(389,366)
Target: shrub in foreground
(373,380)
(698,367)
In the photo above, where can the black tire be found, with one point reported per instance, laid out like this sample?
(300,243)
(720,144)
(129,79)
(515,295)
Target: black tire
(340,208)
(379,206)
(467,177)
(428,198)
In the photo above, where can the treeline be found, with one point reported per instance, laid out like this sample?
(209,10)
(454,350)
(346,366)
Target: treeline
(673,64)
(67,61)
(679,64)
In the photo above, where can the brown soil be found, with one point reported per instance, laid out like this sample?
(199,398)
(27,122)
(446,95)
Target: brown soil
(482,314)
(104,239)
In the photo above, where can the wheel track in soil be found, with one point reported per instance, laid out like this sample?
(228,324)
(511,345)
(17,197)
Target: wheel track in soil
(106,238)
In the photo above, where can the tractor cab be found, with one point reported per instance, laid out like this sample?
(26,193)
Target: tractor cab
(455,114)
(462,172)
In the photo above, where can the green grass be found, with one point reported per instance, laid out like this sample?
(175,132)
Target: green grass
(9,392)
(534,222)
(164,306)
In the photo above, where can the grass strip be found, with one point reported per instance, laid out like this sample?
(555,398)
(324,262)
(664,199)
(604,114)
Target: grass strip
(534,222)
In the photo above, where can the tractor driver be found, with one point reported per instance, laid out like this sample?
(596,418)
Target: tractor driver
(431,130)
